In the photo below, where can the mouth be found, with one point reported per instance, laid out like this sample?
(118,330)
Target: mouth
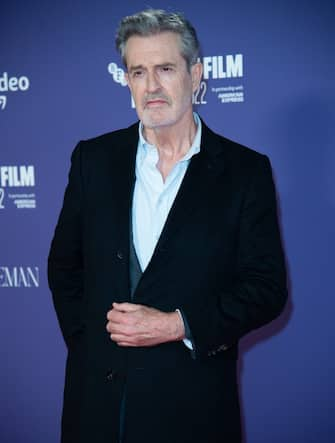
(156,100)
(155,103)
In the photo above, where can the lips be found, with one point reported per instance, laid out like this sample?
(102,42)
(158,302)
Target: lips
(156,101)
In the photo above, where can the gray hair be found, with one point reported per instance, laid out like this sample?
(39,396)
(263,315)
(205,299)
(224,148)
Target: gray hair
(153,22)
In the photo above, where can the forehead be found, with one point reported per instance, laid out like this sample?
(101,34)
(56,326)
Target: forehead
(159,48)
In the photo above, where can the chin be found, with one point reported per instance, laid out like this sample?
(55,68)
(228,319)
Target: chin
(152,122)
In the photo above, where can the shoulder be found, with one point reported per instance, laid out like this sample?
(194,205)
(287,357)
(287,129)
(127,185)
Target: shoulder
(112,148)
(234,154)
(110,141)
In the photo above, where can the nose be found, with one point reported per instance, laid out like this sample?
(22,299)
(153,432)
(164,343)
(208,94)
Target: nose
(153,84)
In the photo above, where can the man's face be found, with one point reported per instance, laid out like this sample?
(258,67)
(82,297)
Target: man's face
(159,80)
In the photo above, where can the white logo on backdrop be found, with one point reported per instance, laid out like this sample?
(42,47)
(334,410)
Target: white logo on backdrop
(225,69)
(3,102)
(2,195)
(119,77)
(117,73)
(19,277)
(21,178)
(12,84)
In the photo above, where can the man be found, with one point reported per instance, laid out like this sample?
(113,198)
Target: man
(167,251)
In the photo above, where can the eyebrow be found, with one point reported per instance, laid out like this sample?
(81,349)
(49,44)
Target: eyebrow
(160,65)
(135,68)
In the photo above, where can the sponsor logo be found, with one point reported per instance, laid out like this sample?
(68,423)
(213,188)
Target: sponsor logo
(230,94)
(117,73)
(11,84)
(222,76)
(226,70)
(119,77)
(19,277)
(17,176)
(21,178)
(218,67)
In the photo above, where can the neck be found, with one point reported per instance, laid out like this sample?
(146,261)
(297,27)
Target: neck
(173,141)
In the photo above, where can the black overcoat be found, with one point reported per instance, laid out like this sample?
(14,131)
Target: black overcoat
(219,259)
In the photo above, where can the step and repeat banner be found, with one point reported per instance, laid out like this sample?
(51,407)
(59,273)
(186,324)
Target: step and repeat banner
(268,83)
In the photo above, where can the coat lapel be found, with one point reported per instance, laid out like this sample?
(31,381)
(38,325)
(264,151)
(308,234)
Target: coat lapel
(198,181)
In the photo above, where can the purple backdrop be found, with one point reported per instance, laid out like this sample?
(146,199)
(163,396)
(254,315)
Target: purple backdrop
(269,85)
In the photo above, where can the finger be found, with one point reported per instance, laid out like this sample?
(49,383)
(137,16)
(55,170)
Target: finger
(116,316)
(126,307)
(115,309)
(121,338)
(122,329)
(113,328)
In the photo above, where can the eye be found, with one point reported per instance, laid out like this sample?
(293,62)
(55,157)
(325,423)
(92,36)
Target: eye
(137,73)
(166,69)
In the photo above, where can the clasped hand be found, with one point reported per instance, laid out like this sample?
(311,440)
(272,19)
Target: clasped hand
(131,324)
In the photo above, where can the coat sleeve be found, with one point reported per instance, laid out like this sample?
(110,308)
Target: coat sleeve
(259,289)
(65,263)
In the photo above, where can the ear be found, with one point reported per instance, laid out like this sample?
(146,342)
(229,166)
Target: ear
(196,73)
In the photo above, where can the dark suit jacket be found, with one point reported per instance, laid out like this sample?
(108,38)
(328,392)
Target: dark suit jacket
(219,259)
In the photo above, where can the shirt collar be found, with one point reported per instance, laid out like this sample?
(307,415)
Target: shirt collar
(144,146)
